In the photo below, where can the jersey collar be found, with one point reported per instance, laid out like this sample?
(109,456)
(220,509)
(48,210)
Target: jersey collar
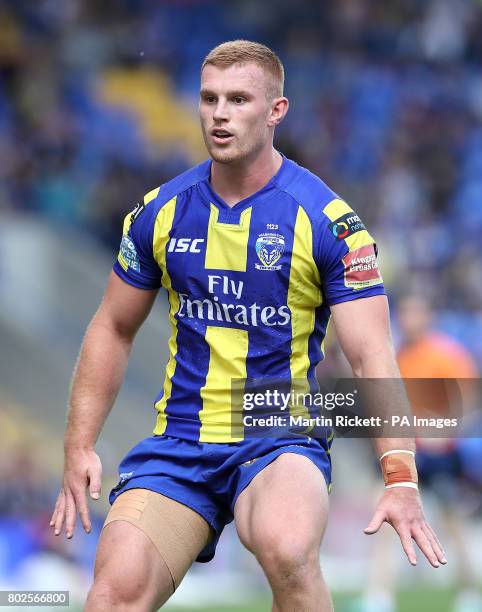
(210,196)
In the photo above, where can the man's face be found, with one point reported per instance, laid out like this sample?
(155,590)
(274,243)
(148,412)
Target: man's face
(235,112)
(414,317)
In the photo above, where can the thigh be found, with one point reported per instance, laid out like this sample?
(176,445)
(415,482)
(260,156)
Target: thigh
(286,502)
(149,540)
(126,557)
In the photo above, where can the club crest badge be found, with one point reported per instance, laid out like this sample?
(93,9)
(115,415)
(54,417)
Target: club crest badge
(269,248)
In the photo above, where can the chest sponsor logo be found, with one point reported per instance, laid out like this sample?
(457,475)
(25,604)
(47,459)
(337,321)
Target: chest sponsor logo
(361,268)
(230,308)
(185,245)
(346,225)
(129,254)
(269,248)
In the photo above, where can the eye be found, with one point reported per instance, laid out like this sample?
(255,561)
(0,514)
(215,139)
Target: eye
(239,99)
(209,99)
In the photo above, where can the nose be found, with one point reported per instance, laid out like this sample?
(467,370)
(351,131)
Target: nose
(220,112)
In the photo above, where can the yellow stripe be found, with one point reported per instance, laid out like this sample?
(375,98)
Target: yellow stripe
(162,228)
(304,296)
(323,342)
(125,231)
(127,223)
(151,195)
(334,210)
(128,220)
(227,243)
(227,360)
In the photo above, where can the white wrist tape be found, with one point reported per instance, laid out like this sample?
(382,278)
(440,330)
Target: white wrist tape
(399,469)
(392,452)
(409,485)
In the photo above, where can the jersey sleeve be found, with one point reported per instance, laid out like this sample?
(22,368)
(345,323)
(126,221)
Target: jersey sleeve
(135,262)
(346,256)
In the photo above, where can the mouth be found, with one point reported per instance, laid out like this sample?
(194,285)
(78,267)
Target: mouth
(221,136)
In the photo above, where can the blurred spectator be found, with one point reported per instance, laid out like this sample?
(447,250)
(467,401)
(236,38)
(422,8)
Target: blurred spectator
(427,354)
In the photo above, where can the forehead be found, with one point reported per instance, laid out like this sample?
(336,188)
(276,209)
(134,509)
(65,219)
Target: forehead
(249,76)
(413,307)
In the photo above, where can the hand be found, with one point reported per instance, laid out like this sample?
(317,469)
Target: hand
(82,470)
(401,507)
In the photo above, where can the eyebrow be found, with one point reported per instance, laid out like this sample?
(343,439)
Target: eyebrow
(229,94)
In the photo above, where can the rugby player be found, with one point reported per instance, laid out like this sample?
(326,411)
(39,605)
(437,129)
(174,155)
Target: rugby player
(256,253)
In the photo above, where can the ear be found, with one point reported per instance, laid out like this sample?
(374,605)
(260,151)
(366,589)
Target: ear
(279,108)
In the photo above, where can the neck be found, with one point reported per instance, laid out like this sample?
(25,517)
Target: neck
(235,182)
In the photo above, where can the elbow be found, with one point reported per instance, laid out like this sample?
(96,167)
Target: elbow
(357,369)
(106,325)
(373,359)
(356,364)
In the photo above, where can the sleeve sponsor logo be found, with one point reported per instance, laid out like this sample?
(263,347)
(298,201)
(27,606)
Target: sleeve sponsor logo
(346,225)
(361,268)
(128,254)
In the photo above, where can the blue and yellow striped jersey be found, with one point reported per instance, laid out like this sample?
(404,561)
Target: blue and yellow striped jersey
(249,286)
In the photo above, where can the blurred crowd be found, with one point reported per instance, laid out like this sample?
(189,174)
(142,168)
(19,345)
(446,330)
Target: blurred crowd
(29,552)
(386,107)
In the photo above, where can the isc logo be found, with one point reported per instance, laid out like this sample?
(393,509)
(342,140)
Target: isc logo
(183,245)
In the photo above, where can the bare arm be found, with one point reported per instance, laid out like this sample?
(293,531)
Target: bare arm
(97,378)
(371,355)
(368,348)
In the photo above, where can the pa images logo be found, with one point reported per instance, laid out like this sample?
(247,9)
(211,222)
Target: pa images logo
(269,248)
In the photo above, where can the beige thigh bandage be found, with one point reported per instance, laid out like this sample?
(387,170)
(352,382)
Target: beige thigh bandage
(178,533)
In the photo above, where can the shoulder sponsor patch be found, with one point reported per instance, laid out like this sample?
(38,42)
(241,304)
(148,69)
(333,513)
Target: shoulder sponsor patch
(346,225)
(361,268)
(128,256)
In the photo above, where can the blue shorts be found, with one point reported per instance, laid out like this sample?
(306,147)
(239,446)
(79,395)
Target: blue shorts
(208,477)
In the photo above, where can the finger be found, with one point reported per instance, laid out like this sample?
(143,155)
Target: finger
(82,508)
(95,481)
(60,516)
(407,544)
(54,513)
(439,550)
(70,513)
(425,545)
(434,543)
(375,523)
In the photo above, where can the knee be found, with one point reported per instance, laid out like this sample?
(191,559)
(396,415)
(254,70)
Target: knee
(289,559)
(109,594)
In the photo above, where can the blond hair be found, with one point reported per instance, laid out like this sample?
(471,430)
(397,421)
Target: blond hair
(245,51)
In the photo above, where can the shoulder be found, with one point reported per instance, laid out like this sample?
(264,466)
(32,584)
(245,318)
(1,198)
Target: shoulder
(326,210)
(179,184)
(451,351)
(146,210)
(308,190)
(332,219)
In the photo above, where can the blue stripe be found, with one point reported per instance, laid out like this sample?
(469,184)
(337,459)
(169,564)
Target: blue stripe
(270,347)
